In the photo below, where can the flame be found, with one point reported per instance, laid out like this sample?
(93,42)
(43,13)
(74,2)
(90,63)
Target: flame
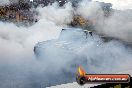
(81,71)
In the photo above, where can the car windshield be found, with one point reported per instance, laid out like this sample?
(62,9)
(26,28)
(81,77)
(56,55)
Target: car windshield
(72,34)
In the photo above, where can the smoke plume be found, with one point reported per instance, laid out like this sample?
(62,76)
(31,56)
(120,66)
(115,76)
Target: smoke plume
(20,68)
(119,4)
(4,2)
(7,2)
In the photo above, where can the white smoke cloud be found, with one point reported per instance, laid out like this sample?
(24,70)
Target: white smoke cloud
(89,10)
(53,17)
(7,2)
(4,2)
(17,44)
(119,25)
(119,4)
(20,68)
